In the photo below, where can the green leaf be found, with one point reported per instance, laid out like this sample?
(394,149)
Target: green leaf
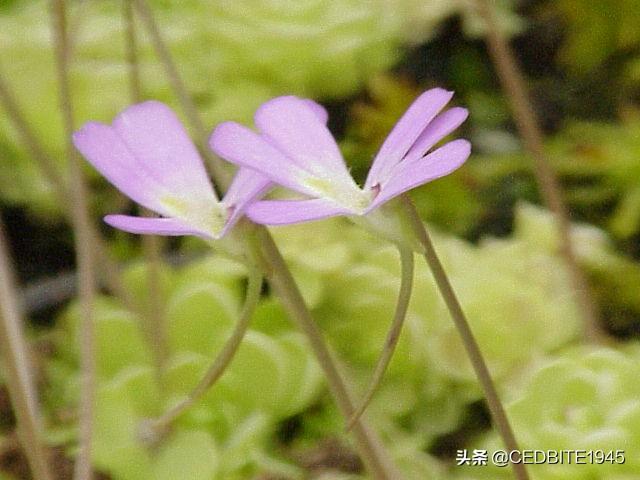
(304,378)
(121,405)
(119,343)
(186,454)
(199,317)
(257,376)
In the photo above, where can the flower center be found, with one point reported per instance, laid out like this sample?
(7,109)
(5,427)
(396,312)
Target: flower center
(346,194)
(204,214)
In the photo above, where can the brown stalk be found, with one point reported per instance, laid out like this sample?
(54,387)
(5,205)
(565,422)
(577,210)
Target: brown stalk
(47,164)
(152,245)
(60,188)
(18,369)
(219,172)
(83,244)
(526,121)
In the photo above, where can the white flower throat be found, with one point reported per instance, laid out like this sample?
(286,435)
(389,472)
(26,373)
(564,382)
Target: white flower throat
(345,192)
(204,214)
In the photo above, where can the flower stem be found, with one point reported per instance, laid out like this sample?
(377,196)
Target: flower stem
(276,271)
(496,408)
(46,163)
(220,174)
(131,46)
(59,185)
(14,349)
(527,124)
(222,361)
(279,276)
(391,342)
(83,245)
(155,325)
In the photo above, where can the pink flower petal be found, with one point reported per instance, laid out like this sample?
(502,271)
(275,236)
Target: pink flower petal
(405,133)
(106,151)
(158,140)
(246,187)
(284,212)
(147,155)
(409,175)
(154,226)
(318,109)
(297,131)
(244,147)
(440,127)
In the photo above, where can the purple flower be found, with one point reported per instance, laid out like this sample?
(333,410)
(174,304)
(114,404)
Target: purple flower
(149,157)
(296,150)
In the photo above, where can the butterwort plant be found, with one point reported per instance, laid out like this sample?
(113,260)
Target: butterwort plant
(147,154)
(294,148)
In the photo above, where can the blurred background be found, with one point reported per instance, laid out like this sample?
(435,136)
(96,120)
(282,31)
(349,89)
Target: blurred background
(271,416)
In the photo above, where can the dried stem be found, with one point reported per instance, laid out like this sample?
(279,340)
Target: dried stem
(131,45)
(391,342)
(83,245)
(496,408)
(220,174)
(47,164)
(527,123)
(60,188)
(275,269)
(15,355)
(220,364)
(155,325)
(155,328)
